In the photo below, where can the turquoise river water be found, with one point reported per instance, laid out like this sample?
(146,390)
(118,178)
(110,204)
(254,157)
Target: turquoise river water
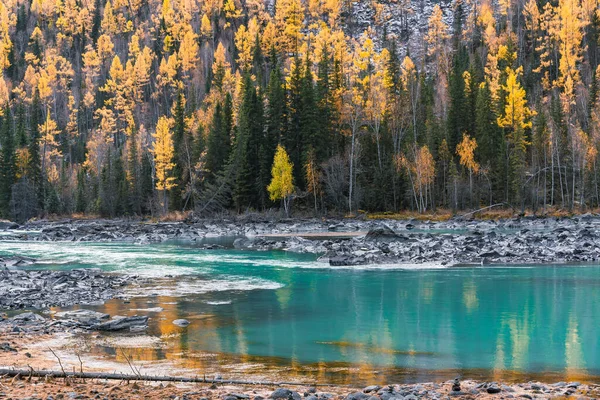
(373,323)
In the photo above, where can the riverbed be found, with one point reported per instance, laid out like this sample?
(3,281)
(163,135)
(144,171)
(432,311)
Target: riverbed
(296,315)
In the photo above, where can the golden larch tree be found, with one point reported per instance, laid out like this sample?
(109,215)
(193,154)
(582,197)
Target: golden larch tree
(466,153)
(163,152)
(282,180)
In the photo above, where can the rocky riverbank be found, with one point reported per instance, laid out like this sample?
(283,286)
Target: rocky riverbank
(41,289)
(51,389)
(357,242)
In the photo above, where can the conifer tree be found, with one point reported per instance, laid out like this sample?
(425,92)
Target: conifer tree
(34,167)
(312,134)
(180,174)
(293,140)
(218,142)
(8,162)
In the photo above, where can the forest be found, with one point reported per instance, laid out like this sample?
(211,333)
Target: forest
(144,107)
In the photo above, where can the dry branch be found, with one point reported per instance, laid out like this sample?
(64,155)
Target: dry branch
(149,378)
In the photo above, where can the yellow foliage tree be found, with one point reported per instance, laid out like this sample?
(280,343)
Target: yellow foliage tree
(244,44)
(163,152)
(466,153)
(289,15)
(421,172)
(516,112)
(188,52)
(282,180)
(516,118)
(438,47)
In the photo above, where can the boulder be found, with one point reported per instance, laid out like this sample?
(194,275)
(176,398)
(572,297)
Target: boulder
(372,388)
(28,317)
(382,232)
(119,323)
(87,317)
(357,396)
(493,389)
(285,394)
(182,323)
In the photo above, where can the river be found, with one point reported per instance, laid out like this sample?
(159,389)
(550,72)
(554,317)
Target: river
(293,314)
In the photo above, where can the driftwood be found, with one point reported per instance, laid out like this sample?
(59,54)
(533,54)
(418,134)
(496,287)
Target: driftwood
(462,216)
(150,378)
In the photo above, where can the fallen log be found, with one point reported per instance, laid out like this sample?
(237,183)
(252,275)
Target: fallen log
(9,373)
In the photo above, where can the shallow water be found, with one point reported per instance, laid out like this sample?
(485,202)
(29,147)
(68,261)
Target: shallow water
(293,314)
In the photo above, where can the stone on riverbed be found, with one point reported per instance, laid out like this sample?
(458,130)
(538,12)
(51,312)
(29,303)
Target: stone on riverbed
(285,394)
(382,232)
(119,323)
(357,396)
(28,317)
(182,323)
(88,317)
(372,388)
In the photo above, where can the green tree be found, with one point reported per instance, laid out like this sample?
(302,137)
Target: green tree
(34,166)
(180,144)
(8,167)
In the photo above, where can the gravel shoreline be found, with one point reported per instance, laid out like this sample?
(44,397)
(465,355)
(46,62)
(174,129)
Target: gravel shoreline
(511,241)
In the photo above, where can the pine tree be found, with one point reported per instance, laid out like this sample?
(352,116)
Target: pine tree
(21,131)
(248,192)
(80,194)
(325,107)
(312,135)
(181,176)
(8,162)
(34,167)
(294,141)
(458,116)
(218,143)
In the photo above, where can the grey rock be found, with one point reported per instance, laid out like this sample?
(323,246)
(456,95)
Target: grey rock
(28,317)
(83,316)
(493,389)
(507,388)
(382,232)
(119,323)
(357,396)
(536,386)
(372,388)
(285,394)
(240,395)
(181,322)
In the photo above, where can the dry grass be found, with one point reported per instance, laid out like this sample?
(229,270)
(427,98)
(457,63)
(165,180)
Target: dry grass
(438,216)
(175,216)
(489,214)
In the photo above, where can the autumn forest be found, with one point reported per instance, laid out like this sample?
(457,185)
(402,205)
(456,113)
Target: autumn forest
(142,107)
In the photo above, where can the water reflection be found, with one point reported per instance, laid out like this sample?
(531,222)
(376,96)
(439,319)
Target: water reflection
(357,326)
